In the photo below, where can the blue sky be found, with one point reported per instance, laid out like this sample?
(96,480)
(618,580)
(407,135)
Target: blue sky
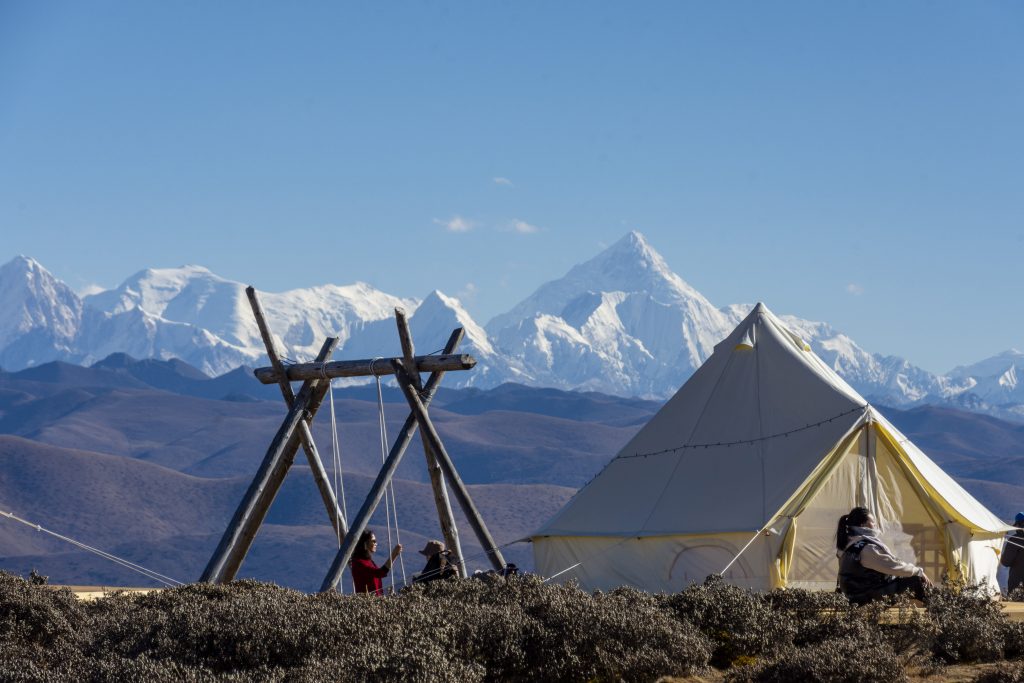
(858,163)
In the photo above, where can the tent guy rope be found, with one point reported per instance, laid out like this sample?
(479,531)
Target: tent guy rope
(148,573)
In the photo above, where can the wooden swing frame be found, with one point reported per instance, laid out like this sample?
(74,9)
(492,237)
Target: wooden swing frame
(295,431)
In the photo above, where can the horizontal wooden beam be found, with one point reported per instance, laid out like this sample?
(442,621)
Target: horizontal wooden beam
(301,372)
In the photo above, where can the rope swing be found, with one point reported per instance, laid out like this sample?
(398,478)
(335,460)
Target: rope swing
(339,477)
(390,508)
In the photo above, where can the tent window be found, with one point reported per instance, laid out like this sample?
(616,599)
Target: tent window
(929,548)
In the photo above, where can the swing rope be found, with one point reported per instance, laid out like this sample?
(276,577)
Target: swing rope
(339,477)
(390,507)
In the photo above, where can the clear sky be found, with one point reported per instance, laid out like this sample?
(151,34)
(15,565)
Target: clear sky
(858,163)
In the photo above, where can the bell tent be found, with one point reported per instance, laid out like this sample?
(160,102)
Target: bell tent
(746,471)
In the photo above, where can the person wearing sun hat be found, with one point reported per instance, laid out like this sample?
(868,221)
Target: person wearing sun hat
(438,564)
(1013,554)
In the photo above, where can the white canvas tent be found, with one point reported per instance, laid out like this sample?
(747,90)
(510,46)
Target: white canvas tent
(764,445)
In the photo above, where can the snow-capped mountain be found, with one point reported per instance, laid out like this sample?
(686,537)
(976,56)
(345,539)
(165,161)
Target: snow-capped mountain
(998,380)
(622,323)
(187,313)
(431,323)
(192,295)
(39,315)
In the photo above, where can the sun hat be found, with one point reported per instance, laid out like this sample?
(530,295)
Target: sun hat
(432,547)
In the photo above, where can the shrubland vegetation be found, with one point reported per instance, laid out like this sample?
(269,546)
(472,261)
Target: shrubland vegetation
(490,630)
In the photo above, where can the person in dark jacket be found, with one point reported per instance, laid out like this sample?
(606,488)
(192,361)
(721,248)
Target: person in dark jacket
(438,565)
(867,568)
(1013,554)
(366,575)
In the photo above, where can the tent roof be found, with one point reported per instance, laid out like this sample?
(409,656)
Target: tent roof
(734,444)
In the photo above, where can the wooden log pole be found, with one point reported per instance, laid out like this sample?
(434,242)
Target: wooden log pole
(387,471)
(363,368)
(461,492)
(445,517)
(316,465)
(238,537)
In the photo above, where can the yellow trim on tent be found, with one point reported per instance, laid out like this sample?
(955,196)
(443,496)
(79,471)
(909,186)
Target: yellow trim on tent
(804,495)
(939,509)
(954,515)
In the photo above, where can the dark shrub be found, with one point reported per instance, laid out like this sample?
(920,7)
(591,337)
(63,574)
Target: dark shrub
(29,662)
(493,629)
(1013,644)
(814,616)
(521,629)
(969,625)
(252,627)
(30,614)
(611,636)
(116,669)
(740,624)
(1004,673)
(41,632)
(836,661)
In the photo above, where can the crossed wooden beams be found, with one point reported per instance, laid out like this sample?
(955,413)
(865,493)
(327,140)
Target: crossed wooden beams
(295,431)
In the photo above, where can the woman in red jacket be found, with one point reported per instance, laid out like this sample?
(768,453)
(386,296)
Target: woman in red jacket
(366,575)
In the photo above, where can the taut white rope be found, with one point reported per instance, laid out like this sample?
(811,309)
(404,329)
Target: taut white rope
(149,573)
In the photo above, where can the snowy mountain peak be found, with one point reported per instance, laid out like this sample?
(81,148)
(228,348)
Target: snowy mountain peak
(634,246)
(446,313)
(20,264)
(439,298)
(990,367)
(39,314)
(630,265)
(154,289)
(622,319)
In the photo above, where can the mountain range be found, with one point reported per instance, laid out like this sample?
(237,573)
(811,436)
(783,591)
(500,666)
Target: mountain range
(621,323)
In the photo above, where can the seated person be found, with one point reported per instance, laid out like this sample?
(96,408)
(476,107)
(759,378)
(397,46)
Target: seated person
(867,568)
(366,575)
(438,566)
(1013,555)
